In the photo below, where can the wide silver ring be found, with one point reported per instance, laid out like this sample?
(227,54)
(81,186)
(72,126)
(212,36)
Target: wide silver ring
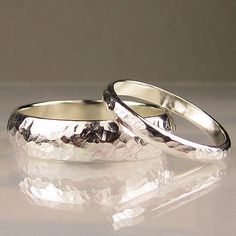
(160,138)
(81,131)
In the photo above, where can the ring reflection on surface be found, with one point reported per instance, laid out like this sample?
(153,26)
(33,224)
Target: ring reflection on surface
(127,191)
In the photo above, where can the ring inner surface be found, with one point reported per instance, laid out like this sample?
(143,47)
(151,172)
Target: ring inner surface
(83,110)
(174,104)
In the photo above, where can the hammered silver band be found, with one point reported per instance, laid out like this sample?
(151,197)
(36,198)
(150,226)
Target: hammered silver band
(81,131)
(162,139)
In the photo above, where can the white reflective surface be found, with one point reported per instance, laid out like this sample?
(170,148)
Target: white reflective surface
(156,197)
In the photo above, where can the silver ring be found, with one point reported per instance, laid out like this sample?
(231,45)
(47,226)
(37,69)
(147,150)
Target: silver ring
(81,131)
(160,138)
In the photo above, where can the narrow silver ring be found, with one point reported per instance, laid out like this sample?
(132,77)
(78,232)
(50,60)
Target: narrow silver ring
(162,139)
(81,131)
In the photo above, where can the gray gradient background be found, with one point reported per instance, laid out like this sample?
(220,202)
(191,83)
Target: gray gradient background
(54,49)
(104,40)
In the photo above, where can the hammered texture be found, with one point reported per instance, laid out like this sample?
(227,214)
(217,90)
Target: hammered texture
(168,142)
(84,141)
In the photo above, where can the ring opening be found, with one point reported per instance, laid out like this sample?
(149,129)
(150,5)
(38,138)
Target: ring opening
(83,110)
(172,103)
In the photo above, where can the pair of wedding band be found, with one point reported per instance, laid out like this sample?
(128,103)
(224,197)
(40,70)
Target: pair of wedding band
(87,131)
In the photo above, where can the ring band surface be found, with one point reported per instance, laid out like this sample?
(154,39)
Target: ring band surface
(160,138)
(81,131)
